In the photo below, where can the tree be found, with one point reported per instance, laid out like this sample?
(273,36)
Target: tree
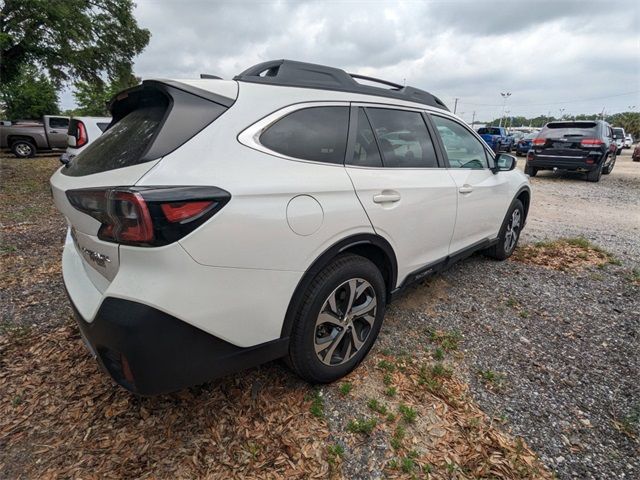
(79,39)
(29,96)
(92,97)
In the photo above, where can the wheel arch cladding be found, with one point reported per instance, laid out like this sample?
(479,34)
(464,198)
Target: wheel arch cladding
(524,195)
(372,247)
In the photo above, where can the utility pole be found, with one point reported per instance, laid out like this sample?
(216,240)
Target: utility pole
(473,119)
(562,113)
(455,105)
(505,95)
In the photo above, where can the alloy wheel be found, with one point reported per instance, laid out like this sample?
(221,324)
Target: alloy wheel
(345,321)
(513,231)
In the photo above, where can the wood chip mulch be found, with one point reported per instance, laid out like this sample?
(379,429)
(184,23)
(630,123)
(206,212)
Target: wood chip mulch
(60,416)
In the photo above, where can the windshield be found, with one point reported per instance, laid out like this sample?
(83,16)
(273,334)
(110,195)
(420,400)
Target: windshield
(569,129)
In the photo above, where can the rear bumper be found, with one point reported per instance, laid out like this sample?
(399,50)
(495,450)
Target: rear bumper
(149,352)
(563,163)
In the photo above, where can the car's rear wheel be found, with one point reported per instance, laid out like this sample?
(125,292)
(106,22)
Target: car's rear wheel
(338,319)
(609,168)
(595,174)
(23,149)
(531,171)
(509,233)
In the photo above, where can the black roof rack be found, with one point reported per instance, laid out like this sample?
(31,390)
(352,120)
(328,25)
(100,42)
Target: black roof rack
(308,75)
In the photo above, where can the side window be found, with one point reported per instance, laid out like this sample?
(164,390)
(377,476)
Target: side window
(403,138)
(316,133)
(365,148)
(463,149)
(55,122)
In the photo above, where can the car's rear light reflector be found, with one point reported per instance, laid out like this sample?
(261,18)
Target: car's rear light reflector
(148,216)
(181,211)
(81,135)
(591,142)
(539,141)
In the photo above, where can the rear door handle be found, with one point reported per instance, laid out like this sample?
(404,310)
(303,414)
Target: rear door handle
(465,189)
(386,197)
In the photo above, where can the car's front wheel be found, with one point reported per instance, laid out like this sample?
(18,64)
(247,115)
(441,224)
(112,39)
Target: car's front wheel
(531,171)
(338,319)
(509,233)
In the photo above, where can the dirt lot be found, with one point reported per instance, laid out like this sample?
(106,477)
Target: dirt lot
(471,369)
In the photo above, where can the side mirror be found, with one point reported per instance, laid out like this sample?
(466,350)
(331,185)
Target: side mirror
(504,163)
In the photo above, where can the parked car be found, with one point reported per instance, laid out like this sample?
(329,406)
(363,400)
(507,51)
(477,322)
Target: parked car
(25,139)
(628,141)
(524,144)
(220,224)
(582,146)
(82,131)
(635,156)
(497,138)
(515,138)
(618,135)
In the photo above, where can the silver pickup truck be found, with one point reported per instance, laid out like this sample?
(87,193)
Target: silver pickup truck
(26,138)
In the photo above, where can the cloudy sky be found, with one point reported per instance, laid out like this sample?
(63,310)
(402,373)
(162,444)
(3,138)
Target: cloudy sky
(577,55)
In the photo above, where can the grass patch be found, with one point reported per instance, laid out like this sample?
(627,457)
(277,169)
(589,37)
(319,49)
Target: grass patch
(345,388)
(565,254)
(317,405)
(362,425)
(391,391)
(409,415)
(492,378)
(377,406)
(438,354)
(447,340)
(387,366)
(335,453)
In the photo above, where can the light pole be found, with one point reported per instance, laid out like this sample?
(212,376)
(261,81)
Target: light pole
(505,95)
(631,107)
(562,113)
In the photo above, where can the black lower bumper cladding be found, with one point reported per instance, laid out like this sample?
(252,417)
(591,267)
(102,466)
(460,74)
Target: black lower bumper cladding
(149,352)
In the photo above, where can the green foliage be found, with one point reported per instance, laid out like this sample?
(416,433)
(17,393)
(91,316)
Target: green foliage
(317,405)
(92,97)
(377,406)
(345,388)
(30,95)
(70,39)
(335,452)
(361,425)
(408,414)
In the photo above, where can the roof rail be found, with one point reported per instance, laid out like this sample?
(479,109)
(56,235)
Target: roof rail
(308,75)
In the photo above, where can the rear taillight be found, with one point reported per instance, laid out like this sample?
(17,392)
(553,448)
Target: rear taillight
(148,216)
(538,142)
(591,142)
(81,135)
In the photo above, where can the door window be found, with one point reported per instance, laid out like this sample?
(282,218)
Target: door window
(365,148)
(403,138)
(57,122)
(316,133)
(463,149)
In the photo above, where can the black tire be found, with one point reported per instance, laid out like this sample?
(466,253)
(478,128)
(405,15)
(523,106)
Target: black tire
(531,171)
(500,251)
(609,168)
(619,151)
(303,358)
(595,174)
(23,149)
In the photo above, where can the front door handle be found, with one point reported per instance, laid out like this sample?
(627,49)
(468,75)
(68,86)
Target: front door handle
(466,189)
(386,197)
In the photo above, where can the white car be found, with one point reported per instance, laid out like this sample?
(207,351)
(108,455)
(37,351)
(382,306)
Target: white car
(628,141)
(219,224)
(619,136)
(82,131)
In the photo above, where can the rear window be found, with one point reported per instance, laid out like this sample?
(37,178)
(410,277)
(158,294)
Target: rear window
(149,122)
(317,133)
(58,122)
(618,133)
(569,129)
(123,145)
(489,131)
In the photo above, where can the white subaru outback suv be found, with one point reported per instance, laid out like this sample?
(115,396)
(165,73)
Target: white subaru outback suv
(219,224)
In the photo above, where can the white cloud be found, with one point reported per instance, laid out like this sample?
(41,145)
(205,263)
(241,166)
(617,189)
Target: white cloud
(544,52)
